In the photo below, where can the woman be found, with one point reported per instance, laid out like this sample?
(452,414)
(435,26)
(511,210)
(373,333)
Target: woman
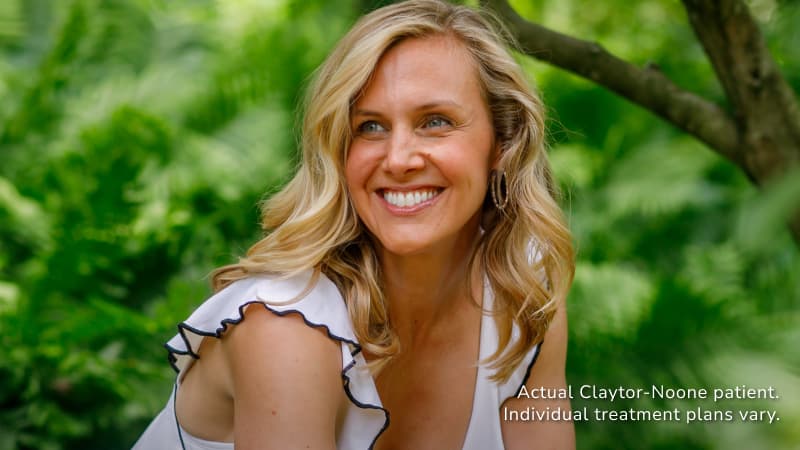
(414,268)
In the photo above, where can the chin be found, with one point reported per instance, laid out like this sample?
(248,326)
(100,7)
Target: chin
(404,244)
(403,248)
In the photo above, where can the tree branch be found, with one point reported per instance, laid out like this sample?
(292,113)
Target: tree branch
(647,87)
(762,136)
(764,105)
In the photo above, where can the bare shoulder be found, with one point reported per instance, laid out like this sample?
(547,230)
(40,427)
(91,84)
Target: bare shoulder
(264,332)
(285,381)
(547,372)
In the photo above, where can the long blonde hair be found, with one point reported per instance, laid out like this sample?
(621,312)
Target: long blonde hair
(525,251)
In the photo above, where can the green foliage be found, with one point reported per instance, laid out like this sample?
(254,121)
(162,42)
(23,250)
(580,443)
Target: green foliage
(136,141)
(137,137)
(686,275)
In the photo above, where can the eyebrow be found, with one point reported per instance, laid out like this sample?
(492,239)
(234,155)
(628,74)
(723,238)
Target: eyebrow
(424,107)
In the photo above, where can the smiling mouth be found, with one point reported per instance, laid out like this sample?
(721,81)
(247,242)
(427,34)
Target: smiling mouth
(409,199)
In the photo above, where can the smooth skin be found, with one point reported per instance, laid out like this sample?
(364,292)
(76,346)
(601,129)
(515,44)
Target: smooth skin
(421,124)
(270,382)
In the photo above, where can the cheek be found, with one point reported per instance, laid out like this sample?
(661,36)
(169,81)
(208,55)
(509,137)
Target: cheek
(351,168)
(470,167)
(357,170)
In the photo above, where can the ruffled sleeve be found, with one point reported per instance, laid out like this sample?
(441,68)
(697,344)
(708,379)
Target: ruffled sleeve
(320,304)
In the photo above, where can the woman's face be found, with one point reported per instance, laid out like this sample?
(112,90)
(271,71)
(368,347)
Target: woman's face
(423,145)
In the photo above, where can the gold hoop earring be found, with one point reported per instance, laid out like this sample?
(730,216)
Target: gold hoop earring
(498,187)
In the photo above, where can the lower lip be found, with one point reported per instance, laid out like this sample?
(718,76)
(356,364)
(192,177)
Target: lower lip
(408,211)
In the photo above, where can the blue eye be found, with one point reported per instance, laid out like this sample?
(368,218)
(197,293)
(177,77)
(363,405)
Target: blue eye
(437,122)
(370,126)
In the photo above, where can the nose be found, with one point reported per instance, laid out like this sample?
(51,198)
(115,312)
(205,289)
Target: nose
(403,153)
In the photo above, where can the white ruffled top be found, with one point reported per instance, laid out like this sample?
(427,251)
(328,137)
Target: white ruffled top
(324,307)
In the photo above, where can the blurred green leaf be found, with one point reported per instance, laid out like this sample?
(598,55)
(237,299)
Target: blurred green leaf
(767,214)
(609,300)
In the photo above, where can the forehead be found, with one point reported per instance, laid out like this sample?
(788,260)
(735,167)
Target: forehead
(416,68)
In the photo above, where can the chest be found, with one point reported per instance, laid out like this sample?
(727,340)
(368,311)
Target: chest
(429,395)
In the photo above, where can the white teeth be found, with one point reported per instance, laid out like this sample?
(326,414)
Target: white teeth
(409,199)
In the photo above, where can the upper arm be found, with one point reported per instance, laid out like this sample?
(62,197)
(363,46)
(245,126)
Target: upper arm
(547,372)
(285,382)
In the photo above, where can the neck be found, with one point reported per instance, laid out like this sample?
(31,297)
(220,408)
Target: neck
(424,291)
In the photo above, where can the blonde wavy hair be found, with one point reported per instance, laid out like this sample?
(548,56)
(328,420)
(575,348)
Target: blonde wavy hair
(525,250)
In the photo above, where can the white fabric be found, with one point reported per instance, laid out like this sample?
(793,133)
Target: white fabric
(323,306)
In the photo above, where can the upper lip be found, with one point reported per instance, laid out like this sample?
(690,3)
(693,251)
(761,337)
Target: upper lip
(408,188)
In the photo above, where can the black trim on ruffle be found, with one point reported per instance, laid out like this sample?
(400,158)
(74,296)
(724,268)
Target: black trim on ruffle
(183,327)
